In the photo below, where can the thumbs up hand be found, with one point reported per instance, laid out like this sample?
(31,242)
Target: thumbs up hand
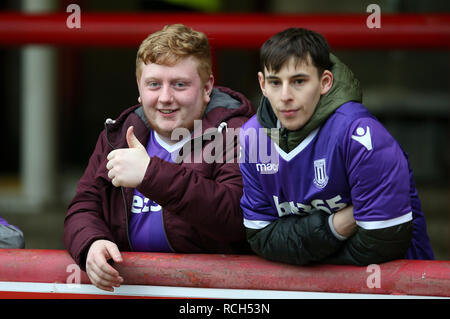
(127,166)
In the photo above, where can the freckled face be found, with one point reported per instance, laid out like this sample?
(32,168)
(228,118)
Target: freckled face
(173,96)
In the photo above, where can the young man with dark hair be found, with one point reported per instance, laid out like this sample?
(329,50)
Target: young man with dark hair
(339,188)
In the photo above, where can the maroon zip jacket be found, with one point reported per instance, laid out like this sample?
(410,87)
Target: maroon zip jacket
(200,201)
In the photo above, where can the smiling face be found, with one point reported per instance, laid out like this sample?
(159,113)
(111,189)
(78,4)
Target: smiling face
(294,91)
(173,96)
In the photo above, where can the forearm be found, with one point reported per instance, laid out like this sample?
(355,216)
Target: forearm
(374,246)
(201,200)
(295,240)
(342,223)
(83,224)
(174,185)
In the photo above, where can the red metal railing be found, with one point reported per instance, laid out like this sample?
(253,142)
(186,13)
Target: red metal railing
(404,277)
(424,31)
(431,31)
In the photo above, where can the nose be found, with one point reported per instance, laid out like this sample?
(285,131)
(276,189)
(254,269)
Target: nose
(286,94)
(166,96)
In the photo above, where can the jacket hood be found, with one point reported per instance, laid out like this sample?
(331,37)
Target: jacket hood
(225,105)
(345,88)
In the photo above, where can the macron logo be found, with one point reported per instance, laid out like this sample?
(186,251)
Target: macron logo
(267,168)
(363,137)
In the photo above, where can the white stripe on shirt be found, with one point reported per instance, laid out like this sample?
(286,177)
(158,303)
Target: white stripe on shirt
(255,224)
(378,224)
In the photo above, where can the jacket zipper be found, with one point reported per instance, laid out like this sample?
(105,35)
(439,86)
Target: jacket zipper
(179,161)
(125,206)
(180,158)
(126,216)
(164,231)
(284,136)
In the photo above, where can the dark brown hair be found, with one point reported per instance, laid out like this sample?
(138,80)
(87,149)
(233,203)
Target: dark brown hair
(302,44)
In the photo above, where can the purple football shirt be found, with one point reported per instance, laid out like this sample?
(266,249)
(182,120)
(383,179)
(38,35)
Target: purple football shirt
(351,160)
(146,227)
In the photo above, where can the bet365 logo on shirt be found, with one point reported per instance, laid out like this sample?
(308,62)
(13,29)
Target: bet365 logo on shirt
(144,205)
(329,206)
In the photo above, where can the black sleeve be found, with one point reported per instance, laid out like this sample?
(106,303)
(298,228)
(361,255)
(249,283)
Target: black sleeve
(295,239)
(374,246)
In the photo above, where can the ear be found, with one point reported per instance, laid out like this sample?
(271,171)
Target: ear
(326,82)
(138,83)
(139,90)
(262,83)
(207,89)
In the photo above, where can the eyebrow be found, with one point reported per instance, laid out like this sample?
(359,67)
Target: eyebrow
(150,78)
(183,79)
(298,75)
